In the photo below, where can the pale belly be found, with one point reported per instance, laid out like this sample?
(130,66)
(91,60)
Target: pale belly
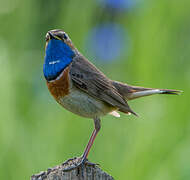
(84,105)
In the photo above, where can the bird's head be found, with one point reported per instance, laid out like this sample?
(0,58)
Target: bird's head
(60,36)
(59,53)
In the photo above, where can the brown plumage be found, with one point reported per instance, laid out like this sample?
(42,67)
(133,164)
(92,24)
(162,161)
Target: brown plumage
(88,78)
(60,86)
(132,92)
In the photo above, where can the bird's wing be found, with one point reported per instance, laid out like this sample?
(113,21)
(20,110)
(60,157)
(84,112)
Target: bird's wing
(88,78)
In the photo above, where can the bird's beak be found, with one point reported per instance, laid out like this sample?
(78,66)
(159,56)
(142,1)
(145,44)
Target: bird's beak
(51,35)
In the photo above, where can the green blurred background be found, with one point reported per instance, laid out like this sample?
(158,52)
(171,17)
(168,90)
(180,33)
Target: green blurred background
(37,133)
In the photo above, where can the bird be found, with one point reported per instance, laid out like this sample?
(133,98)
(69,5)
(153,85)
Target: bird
(81,88)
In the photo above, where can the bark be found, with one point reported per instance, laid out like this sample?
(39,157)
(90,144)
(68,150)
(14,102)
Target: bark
(87,171)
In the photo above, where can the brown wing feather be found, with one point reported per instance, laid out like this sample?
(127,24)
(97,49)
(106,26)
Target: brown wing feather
(88,78)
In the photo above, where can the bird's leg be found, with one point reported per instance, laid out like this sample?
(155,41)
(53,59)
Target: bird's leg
(97,127)
(83,159)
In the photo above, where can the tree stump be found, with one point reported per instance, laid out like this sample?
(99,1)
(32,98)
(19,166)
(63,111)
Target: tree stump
(87,171)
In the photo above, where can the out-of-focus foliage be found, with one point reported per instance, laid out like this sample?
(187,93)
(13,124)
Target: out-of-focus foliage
(37,133)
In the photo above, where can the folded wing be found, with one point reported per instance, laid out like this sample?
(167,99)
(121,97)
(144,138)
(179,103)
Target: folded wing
(88,78)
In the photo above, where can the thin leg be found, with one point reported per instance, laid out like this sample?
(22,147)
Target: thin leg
(89,145)
(97,127)
(90,142)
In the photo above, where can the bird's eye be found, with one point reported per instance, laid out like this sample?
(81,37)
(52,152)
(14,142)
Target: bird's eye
(65,36)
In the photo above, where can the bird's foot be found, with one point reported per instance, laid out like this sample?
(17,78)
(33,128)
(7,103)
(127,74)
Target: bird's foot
(76,163)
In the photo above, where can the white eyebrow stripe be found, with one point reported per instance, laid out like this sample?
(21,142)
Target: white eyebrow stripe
(54,62)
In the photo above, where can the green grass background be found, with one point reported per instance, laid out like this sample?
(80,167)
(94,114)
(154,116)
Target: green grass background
(37,133)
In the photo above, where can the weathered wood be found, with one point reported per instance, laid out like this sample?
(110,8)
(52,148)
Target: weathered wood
(88,171)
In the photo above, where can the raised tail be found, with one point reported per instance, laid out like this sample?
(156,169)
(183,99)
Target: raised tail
(133,92)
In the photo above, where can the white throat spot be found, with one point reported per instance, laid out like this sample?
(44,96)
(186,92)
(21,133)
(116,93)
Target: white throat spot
(54,62)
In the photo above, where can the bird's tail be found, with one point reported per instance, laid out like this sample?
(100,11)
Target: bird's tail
(133,92)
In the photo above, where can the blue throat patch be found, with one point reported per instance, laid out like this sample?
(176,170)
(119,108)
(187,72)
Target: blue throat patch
(58,56)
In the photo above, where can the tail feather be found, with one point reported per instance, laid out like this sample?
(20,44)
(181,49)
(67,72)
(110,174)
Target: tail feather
(133,92)
(141,93)
(169,91)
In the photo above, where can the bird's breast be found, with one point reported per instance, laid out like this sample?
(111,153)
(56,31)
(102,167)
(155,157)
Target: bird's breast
(61,85)
(75,100)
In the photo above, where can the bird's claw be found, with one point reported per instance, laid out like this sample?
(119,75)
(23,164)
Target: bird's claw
(76,163)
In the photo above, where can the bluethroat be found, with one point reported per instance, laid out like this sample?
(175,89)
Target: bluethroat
(78,86)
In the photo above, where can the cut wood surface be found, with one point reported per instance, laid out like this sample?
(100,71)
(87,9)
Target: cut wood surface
(88,171)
